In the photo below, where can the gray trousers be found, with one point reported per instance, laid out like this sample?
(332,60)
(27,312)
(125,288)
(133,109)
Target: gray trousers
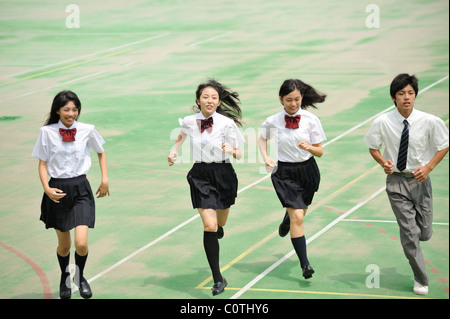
(412,204)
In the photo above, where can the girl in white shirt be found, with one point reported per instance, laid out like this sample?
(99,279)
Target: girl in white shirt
(63,149)
(214,137)
(296,176)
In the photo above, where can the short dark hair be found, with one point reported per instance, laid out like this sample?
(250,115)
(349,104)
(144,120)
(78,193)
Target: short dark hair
(402,80)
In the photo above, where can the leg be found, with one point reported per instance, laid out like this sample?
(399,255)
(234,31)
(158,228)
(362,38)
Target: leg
(212,248)
(81,254)
(296,216)
(63,254)
(81,240)
(222,216)
(410,233)
(64,243)
(298,239)
(424,207)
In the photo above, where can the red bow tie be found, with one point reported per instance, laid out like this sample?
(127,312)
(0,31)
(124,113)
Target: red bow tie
(292,121)
(68,135)
(206,124)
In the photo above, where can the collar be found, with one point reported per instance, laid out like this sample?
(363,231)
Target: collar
(296,113)
(400,117)
(200,115)
(61,125)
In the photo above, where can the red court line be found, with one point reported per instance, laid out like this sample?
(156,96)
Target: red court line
(36,268)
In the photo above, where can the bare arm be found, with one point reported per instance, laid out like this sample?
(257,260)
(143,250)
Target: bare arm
(262,144)
(314,149)
(236,152)
(388,165)
(55,194)
(103,189)
(174,152)
(421,173)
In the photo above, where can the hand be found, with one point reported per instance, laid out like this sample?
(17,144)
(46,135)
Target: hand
(388,167)
(172,158)
(270,165)
(304,145)
(54,194)
(421,173)
(102,190)
(226,147)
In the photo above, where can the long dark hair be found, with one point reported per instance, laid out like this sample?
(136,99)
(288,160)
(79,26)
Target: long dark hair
(309,95)
(61,99)
(230,100)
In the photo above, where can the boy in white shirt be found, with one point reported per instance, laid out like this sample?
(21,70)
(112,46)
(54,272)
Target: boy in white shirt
(415,142)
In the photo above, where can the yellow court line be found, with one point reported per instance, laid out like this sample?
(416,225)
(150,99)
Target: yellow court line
(348,294)
(261,242)
(64,67)
(238,258)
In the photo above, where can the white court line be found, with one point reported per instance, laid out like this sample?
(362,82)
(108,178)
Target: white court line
(288,255)
(240,191)
(197,43)
(92,54)
(384,221)
(309,240)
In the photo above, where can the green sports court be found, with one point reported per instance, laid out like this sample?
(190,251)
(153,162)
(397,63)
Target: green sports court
(136,65)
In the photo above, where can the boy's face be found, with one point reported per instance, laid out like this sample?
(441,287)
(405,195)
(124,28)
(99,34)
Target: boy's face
(405,99)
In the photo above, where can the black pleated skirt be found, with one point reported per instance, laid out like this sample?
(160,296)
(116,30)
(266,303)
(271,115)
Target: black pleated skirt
(213,185)
(75,209)
(296,183)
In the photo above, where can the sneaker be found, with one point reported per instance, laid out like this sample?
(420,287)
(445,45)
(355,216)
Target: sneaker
(220,232)
(420,289)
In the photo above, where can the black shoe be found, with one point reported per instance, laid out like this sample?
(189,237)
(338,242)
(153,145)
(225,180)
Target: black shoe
(85,289)
(283,229)
(219,287)
(64,291)
(220,232)
(285,225)
(308,272)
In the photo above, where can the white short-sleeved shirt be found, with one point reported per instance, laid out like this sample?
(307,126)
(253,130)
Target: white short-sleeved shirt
(310,130)
(67,159)
(207,146)
(427,135)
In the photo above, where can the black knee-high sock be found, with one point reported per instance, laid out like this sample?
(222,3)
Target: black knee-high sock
(63,265)
(299,244)
(211,244)
(80,262)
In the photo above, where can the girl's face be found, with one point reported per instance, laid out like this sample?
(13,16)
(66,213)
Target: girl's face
(292,102)
(208,101)
(68,114)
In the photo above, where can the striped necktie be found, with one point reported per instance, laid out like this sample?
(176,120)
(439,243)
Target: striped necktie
(403,149)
